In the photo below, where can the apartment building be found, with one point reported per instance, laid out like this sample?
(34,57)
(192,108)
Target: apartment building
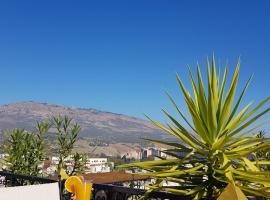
(97,165)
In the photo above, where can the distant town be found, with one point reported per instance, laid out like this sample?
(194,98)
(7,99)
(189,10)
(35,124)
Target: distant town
(96,164)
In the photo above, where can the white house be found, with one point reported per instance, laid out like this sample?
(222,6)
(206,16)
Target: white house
(96,165)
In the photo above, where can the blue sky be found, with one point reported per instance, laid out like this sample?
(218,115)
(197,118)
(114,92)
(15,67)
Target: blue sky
(121,56)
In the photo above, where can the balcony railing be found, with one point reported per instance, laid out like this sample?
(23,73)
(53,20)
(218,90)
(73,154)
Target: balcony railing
(100,191)
(126,193)
(9,179)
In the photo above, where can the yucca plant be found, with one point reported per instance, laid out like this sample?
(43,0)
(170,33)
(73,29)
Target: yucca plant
(217,141)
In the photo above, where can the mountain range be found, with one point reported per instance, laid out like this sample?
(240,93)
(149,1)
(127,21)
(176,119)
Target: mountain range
(105,126)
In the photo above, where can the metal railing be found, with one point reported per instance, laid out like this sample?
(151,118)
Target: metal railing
(100,191)
(9,179)
(114,192)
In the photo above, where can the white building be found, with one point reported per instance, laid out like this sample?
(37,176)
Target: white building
(96,165)
(55,160)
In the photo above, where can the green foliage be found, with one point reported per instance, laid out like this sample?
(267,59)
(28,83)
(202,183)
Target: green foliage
(67,134)
(26,150)
(263,155)
(216,142)
(79,164)
(116,160)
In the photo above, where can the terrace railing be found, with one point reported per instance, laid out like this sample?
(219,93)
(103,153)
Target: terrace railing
(114,192)
(100,191)
(8,179)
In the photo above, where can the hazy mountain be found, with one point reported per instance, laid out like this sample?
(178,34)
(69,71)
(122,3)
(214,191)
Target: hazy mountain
(95,124)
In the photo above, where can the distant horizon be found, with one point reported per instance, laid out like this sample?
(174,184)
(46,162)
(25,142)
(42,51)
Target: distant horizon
(70,106)
(99,110)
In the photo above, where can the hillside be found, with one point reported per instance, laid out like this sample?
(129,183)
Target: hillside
(106,126)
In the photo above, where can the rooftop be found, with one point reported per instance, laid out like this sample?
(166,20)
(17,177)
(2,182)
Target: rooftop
(113,177)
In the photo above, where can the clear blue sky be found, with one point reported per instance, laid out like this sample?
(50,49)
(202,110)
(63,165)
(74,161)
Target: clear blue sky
(121,56)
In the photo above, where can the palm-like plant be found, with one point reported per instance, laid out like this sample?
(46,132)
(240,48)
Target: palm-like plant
(217,143)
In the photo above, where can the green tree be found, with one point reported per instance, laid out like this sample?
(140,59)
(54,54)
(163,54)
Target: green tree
(26,150)
(212,149)
(67,135)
